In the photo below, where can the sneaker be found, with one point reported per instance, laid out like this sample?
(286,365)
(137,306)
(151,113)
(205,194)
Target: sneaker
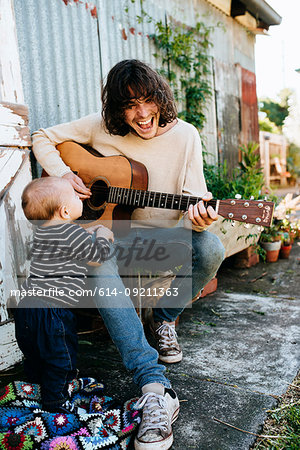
(160,410)
(166,341)
(69,408)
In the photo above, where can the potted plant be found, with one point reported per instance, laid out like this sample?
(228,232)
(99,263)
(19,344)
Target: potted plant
(286,246)
(270,241)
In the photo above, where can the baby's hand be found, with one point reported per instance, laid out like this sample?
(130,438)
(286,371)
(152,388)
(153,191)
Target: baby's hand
(105,233)
(92,229)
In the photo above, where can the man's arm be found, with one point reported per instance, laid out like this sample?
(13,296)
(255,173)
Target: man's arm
(44,147)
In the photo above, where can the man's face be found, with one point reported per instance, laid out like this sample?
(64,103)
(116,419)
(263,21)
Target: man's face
(142,115)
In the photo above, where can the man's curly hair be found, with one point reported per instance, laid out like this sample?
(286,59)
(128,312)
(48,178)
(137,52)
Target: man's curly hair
(132,79)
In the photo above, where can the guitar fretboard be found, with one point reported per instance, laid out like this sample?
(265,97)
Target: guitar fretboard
(142,199)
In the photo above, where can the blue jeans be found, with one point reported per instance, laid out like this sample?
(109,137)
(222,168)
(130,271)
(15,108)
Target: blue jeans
(48,339)
(199,254)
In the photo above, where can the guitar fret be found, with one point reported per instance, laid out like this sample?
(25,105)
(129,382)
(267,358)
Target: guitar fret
(172,204)
(109,194)
(185,200)
(138,195)
(156,199)
(113,195)
(152,198)
(119,195)
(180,200)
(159,200)
(127,196)
(143,202)
(130,197)
(176,201)
(123,196)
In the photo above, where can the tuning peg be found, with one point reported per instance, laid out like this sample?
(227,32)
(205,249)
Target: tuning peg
(238,196)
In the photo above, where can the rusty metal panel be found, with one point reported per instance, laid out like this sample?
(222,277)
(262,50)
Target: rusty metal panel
(59,54)
(227,111)
(249,107)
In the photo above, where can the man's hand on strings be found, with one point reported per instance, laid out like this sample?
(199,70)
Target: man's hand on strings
(77,183)
(201,216)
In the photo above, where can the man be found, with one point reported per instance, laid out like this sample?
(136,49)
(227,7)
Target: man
(140,122)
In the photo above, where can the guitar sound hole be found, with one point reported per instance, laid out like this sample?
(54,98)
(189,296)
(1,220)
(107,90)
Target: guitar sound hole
(93,207)
(99,194)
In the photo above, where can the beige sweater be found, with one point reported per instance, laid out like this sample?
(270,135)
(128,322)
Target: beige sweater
(173,159)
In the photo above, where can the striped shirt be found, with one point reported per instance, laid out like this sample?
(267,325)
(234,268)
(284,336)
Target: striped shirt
(59,258)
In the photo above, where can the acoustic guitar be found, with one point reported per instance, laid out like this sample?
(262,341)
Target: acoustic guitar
(119,185)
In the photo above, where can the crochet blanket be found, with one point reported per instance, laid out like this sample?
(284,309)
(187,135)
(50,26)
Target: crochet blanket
(106,424)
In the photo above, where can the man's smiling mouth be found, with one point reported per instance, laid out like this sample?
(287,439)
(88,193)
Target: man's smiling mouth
(145,124)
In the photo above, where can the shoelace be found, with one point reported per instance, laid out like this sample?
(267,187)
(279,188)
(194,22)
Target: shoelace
(155,414)
(168,336)
(73,408)
(69,406)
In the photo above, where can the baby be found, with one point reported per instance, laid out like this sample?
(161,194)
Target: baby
(44,320)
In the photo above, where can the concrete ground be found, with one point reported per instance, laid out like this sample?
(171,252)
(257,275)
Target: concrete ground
(240,353)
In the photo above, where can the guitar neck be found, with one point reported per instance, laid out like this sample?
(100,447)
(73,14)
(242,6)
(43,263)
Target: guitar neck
(142,199)
(259,212)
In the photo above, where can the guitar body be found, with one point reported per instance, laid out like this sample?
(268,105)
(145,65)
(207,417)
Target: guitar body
(97,172)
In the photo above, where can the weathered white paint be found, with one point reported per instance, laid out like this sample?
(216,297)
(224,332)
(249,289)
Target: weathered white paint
(10,353)
(13,126)
(10,74)
(10,161)
(15,232)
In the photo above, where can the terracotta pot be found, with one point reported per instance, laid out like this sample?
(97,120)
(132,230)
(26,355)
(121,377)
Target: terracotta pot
(285,251)
(272,249)
(272,255)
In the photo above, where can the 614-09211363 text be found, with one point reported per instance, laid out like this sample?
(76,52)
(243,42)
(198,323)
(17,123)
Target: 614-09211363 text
(100,291)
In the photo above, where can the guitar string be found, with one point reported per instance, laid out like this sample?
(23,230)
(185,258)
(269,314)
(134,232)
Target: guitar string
(105,190)
(166,201)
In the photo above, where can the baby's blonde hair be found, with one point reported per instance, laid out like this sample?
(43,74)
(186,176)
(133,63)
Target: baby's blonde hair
(42,198)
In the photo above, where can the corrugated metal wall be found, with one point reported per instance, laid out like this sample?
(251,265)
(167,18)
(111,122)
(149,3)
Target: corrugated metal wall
(66,50)
(60,64)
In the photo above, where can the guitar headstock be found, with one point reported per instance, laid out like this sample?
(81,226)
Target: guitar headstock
(258,212)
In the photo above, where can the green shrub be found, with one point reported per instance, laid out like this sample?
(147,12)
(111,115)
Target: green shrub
(246,180)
